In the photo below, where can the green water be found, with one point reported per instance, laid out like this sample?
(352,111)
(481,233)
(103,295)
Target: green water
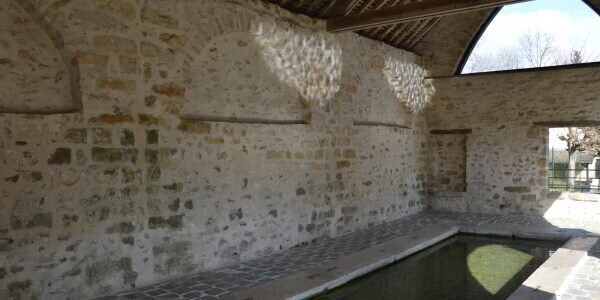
(460,268)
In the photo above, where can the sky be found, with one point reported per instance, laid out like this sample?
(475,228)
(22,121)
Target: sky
(554,140)
(573,22)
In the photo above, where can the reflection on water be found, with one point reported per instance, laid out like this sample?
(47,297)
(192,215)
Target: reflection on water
(461,268)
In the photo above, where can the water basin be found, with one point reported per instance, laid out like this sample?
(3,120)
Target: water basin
(463,267)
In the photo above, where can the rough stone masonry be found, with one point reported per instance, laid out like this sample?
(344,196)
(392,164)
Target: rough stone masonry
(145,140)
(124,160)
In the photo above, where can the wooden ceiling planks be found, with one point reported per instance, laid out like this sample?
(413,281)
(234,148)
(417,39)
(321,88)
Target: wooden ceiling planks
(402,35)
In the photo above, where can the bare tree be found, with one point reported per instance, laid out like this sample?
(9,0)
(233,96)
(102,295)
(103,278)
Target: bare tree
(509,59)
(575,139)
(576,55)
(534,49)
(579,139)
(538,48)
(479,63)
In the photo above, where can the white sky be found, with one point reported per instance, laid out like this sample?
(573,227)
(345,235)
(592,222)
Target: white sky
(554,141)
(574,23)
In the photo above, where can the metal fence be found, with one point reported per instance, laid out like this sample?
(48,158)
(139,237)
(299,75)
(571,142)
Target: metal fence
(585,180)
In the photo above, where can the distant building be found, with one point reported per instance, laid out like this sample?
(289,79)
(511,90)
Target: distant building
(587,166)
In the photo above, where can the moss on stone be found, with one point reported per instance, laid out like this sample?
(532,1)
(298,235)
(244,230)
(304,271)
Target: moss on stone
(128,175)
(173,222)
(5,244)
(40,220)
(127,209)
(76,135)
(128,240)
(151,156)
(107,155)
(122,228)
(101,270)
(127,138)
(153,205)
(104,213)
(16,288)
(174,187)
(153,173)
(152,137)
(174,206)
(60,156)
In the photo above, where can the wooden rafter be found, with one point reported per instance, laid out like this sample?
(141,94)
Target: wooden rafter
(338,8)
(409,12)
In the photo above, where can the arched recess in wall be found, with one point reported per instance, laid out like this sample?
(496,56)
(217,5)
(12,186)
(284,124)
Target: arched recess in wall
(243,65)
(36,76)
(390,87)
(230,79)
(376,100)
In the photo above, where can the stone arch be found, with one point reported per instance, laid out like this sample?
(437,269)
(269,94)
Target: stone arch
(38,75)
(210,20)
(231,71)
(363,66)
(229,19)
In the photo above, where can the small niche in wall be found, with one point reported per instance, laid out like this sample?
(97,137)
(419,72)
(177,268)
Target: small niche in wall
(448,161)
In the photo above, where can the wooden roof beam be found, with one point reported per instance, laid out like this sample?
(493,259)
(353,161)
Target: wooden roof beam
(410,12)
(338,8)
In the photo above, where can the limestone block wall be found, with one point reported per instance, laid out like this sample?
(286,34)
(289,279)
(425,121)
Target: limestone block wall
(506,152)
(193,148)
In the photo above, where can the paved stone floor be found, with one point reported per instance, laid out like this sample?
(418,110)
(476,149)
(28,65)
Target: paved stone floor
(586,283)
(220,282)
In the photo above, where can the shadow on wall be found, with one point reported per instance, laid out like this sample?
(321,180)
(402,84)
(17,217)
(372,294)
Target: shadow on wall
(36,73)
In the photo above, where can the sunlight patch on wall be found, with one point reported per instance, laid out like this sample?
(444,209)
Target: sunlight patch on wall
(410,84)
(308,61)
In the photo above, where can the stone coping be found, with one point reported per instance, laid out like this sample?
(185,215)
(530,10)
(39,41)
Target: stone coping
(314,281)
(545,283)
(244,275)
(548,281)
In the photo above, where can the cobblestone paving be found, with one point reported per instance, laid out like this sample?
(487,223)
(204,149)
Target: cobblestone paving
(220,282)
(586,283)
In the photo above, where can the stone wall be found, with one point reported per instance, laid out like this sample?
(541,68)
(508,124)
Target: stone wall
(506,152)
(35,73)
(191,150)
(447,164)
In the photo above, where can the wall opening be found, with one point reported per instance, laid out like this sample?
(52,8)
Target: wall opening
(536,34)
(573,159)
